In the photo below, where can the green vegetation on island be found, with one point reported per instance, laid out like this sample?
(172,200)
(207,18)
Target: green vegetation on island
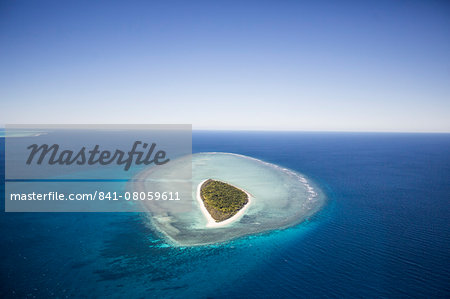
(221,199)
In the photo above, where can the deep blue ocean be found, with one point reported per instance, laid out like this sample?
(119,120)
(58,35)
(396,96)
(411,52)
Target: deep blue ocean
(384,231)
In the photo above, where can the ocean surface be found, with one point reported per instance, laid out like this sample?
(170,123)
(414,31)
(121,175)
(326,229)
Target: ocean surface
(383,232)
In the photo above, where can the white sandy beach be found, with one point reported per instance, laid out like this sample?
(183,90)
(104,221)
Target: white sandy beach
(278,198)
(211,222)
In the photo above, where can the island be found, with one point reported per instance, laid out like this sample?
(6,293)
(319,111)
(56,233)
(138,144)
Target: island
(278,198)
(222,200)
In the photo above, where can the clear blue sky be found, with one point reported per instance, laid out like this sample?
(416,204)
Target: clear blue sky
(267,65)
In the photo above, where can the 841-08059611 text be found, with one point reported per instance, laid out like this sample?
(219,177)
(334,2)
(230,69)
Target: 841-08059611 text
(97,195)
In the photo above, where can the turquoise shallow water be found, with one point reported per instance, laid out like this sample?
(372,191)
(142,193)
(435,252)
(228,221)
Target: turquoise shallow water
(279,198)
(383,232)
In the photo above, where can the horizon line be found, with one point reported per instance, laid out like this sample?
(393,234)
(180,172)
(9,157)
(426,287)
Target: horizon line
(2,127)
(318,131)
